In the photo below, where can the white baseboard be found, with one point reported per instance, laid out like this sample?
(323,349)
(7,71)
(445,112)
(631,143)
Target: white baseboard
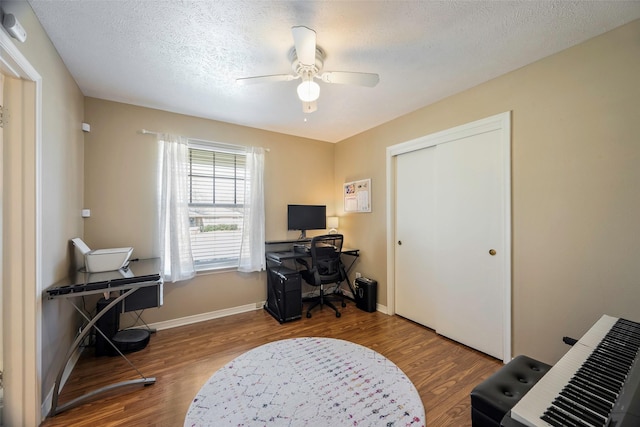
(182,321)
(174,323)
(382,308)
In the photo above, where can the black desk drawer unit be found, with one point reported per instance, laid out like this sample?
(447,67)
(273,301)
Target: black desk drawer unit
(284,294)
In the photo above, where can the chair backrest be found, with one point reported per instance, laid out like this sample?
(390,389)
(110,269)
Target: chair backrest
(325,257)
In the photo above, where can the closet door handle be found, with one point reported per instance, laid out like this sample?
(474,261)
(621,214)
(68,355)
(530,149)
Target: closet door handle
(492,252)
(400,242)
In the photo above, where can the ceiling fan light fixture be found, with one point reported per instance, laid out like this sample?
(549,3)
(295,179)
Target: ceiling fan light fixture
(308,91)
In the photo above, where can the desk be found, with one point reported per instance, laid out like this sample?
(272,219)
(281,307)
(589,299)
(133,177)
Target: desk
(138,275)
(279,258)
(281,280)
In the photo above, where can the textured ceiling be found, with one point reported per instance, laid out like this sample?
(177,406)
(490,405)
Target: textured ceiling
(184,56)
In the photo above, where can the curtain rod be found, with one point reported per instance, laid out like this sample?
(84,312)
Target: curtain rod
(153,132)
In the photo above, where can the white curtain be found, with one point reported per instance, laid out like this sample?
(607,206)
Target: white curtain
(252,246)
(175,242)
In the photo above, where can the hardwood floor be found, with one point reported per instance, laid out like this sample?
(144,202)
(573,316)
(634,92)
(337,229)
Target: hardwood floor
(182,359)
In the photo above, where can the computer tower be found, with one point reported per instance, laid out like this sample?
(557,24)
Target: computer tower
(366,294)
(284,294)
(108,323)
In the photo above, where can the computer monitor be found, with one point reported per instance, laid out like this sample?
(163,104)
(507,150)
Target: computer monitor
(306,217)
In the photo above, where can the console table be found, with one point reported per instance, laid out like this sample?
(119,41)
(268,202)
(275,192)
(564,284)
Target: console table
(138,278)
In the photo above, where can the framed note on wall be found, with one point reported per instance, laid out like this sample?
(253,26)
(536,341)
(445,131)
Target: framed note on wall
(357,196)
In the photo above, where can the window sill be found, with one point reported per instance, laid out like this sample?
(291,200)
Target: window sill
(215,270)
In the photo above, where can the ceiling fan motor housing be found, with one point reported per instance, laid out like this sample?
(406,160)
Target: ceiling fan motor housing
(305,69)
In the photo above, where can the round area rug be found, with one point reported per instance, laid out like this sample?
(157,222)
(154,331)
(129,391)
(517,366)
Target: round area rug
(308,382)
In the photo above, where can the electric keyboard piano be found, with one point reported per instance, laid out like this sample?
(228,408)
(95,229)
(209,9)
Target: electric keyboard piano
(596,383)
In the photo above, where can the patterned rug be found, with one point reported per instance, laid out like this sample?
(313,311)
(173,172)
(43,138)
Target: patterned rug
(308,382)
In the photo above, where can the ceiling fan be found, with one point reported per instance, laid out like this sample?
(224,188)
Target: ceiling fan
(307,60)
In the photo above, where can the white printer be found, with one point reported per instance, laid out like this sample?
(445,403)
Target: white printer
(99,260)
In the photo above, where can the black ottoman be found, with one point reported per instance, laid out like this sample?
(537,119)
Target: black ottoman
(495,396)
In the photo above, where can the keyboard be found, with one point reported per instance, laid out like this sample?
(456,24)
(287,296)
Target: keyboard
(596,383)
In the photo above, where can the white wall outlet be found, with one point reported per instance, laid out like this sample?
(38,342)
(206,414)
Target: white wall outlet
(358,275)
(86,213)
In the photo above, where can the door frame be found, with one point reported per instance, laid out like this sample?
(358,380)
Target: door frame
(22,277)
(499,122)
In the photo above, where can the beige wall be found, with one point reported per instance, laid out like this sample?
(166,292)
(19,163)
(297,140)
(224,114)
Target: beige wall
(575,176)
(120,179)
(61,178)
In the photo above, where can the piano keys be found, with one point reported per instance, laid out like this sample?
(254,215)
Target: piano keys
(595,384)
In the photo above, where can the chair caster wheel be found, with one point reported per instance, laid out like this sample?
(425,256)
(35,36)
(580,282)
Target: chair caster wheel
(308,315)
(344,304)
(338,314)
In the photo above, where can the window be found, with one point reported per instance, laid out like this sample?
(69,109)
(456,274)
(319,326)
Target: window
(216,179)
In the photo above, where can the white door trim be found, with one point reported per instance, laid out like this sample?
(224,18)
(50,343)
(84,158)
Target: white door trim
(22,403)
(500,122)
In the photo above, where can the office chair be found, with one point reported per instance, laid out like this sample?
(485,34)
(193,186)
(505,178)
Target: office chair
(326,268)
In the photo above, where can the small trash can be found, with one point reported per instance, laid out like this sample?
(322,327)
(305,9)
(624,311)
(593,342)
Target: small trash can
(366,294)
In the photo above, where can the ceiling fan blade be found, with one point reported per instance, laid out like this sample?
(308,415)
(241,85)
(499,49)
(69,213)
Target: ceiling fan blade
(309,107)
(304,39)
(266,79)
(349,78)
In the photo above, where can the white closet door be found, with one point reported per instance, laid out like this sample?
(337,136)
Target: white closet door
(451,246)
(415,237)
(470,256)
